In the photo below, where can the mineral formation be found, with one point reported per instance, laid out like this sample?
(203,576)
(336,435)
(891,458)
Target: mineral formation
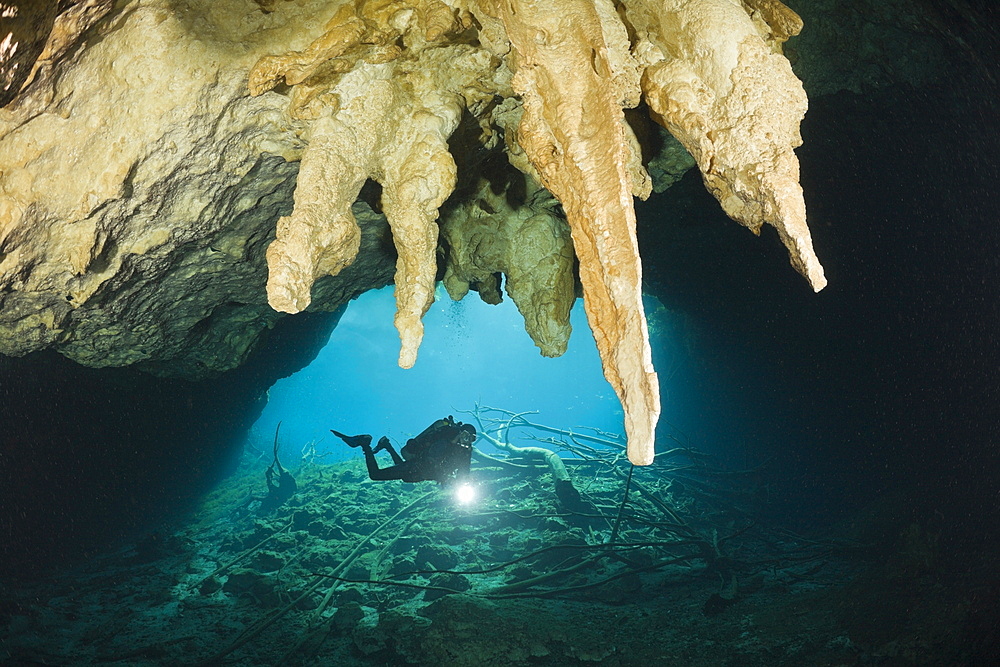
(174,172)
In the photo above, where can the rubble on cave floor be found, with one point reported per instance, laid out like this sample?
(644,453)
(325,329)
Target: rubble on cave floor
(355,572)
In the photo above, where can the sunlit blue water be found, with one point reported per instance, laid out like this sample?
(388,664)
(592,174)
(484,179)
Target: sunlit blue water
(472,352)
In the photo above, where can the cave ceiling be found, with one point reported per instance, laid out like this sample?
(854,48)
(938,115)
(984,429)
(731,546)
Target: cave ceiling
(177,175)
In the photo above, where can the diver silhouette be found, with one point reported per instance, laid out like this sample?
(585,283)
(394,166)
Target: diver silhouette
(441,453)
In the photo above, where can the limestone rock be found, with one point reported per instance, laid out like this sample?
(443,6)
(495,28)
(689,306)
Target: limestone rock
(388,121)
(138,191)
(670,163)
(574,73)
(157,148)
(529,245)
(718,86)
(774,21)
(45,35)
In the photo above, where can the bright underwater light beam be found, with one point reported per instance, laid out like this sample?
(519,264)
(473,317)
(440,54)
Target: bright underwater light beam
(465,493)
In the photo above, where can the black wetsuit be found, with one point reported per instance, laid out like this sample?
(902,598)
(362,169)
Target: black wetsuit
(441,453)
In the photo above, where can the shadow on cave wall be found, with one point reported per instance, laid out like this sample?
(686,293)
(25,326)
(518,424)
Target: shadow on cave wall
(89,456)
(26,32)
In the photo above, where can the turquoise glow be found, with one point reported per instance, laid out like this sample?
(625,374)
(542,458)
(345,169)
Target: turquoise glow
(471,352)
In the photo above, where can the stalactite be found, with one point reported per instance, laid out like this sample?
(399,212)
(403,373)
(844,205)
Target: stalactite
(200,109)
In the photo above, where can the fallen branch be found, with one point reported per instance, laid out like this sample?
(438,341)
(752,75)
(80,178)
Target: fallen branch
(565,490)
(243,554)
(257,628)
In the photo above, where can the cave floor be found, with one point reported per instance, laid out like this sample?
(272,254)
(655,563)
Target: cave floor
(354,572)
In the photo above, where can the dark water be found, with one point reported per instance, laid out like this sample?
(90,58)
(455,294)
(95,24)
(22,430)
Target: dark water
(887,380)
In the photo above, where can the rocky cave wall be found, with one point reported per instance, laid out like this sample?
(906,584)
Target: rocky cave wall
(173,173)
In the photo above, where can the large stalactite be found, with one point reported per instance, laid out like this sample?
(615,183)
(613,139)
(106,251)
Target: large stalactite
(574,75)
(141,186)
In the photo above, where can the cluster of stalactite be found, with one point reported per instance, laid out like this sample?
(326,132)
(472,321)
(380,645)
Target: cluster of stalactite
(387,83)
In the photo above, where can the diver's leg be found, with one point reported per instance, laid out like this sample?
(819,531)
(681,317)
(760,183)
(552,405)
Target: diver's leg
(374,472)
(383,443)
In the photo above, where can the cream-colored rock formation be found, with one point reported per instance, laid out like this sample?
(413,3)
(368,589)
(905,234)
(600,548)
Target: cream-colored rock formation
(530,245)
(158,147)
(735,105)
(574,74)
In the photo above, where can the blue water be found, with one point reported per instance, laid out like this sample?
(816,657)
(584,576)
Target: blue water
(472,352)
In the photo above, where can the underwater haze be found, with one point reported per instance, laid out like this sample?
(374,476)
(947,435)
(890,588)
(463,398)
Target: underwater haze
(472,353)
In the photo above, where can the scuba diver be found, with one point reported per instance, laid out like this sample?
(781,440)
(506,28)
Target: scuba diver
(441,453)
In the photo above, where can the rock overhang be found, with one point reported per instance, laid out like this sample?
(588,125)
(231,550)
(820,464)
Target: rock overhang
(159,210)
